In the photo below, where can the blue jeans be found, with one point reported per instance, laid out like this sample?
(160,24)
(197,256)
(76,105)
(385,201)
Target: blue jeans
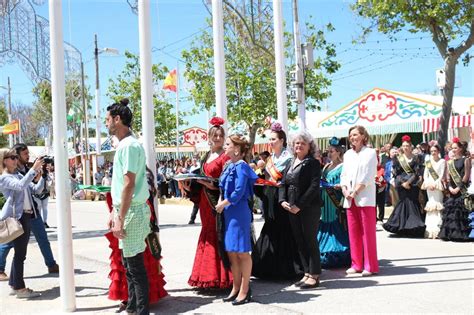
(38,229)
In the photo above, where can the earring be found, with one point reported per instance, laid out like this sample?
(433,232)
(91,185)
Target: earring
(236,153)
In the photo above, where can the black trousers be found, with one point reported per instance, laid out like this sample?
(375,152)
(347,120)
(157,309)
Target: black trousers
(137,282)
(304,226)
(380,201)
(20,244)
(194,213)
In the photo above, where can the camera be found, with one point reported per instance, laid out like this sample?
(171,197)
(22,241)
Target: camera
(48,159)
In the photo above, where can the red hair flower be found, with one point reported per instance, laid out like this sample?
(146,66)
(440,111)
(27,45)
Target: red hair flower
(216,121)
(276,126)
(456,140)
(406,138)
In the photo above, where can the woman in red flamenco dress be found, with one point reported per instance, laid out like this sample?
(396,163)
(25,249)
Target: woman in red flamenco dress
(118,290)
(208,269)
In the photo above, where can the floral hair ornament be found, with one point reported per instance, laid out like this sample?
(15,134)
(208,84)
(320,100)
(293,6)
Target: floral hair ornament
(432,143)
(456,140)
(276,126)
(216,121)
(406,138)
(334,141)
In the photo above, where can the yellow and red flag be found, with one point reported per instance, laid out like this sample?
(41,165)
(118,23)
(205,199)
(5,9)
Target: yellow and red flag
(12,128)
(170,81)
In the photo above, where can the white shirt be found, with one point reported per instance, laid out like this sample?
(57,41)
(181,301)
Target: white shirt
(360,168)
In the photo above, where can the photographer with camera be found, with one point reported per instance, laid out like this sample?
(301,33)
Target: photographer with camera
(37,224)
(42,198)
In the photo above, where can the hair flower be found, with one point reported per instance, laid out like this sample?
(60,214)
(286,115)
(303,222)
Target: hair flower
(456,140)
(406,138)
(276,126)
(334,141)
(216,121)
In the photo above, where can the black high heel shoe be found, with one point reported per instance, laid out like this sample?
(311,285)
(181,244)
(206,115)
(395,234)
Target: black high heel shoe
(247,299)
(230,298)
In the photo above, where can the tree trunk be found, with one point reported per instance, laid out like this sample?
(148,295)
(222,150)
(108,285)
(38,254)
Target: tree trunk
(448,92)
(252,133)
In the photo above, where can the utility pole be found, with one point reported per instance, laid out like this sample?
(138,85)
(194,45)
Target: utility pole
(87,167)
(10,136)
(97,97)
(304,60)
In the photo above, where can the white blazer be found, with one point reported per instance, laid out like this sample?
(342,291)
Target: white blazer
(360,168)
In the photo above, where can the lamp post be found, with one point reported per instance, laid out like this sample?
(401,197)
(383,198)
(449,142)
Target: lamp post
(98,51)
(9,109)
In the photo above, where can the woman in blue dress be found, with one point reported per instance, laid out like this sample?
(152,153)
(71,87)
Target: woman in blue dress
(236,184)
(275,255)
(332,236)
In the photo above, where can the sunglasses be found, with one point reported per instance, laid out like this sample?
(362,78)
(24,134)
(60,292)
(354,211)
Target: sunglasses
(12,157)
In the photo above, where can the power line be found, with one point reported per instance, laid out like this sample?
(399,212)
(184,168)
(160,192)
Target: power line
(374,69)
(377,41)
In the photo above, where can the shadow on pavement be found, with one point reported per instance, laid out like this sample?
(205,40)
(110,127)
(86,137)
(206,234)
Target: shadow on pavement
(181,304)
(77,235)
(437,257)
(56,275)
(54,293)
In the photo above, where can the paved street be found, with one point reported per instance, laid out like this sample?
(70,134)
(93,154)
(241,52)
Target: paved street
(416,276)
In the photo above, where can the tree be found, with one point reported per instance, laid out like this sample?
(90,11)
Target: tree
(446,20)
(250,65)
(127,85)
(42,114)
(28,125)
(3,121)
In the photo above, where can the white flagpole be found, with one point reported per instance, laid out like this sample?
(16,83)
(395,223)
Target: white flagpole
(63,203)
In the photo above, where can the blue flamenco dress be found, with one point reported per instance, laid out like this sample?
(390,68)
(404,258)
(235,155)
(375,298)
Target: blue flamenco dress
(332,236)
(236,184)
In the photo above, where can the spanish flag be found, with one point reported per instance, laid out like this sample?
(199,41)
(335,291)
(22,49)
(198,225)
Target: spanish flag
(170,81)
(11,128)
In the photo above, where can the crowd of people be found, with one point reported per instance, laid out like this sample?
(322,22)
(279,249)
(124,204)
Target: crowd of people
(320,209)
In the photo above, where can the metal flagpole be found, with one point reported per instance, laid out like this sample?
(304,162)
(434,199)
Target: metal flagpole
(219,66)
(63,203)
(299,66)
(280,65)
(146,88)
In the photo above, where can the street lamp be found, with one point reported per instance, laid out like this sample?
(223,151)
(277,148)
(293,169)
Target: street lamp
(98,51)
(9,109)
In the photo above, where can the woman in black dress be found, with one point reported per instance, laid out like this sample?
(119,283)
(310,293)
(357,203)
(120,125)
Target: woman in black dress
(275,255)
(406,219)
(455,226)
(299,194)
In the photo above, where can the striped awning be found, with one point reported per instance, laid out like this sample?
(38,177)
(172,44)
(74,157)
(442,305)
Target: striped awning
(414,126)
(433,124)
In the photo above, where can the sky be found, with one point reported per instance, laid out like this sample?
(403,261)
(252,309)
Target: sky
(407,64)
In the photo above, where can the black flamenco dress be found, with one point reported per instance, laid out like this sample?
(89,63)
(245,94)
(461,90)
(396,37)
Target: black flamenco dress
(275,254)
(406,219)
(455,226)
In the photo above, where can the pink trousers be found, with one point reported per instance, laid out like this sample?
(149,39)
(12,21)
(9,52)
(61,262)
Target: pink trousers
(361,222)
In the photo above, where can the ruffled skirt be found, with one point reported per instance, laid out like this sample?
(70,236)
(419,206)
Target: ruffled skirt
(333,245)
(455,226)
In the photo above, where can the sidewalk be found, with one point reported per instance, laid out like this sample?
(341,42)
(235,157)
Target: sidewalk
(416,276)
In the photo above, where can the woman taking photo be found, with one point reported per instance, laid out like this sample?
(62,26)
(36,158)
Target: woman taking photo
(275,254)
(455,226)
(208,269)
(433,178)
(358,187)
(406,219)
(332,236)
(17,190)
(236,184)
(299,195)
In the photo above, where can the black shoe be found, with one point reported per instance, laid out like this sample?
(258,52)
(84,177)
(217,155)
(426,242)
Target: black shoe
(46,225)
(310,286)
(247,299)
(298,284)
(230,298)
(122,307)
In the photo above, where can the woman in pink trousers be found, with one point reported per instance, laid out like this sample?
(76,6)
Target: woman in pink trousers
(358,187)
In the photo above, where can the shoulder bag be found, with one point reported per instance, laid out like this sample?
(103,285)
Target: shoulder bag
(10,228)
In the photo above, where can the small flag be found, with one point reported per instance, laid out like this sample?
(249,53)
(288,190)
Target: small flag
(170,81)
(11,128)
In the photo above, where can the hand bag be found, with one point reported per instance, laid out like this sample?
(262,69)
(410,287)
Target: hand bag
(10,229)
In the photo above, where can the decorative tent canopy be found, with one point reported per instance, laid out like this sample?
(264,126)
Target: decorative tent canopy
(385,112)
